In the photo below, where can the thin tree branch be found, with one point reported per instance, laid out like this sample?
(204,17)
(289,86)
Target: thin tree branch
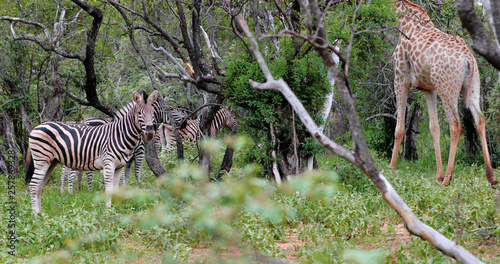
(88,62)
(51,47)
(172,59)
(17,19)
(482,42)
(171,40)
(381,115)
(181,77)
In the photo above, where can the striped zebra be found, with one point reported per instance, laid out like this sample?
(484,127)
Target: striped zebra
(107,147)
(223,118)
(70,174)
(161,116)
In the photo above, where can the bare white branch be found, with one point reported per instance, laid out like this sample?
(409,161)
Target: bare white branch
(75,18)
(213,52)
(181,77)
(51,46)
(258,55)
(59,28)
(13,31)
(17,19)
(169,55)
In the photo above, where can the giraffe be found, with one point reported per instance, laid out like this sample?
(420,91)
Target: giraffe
(436,63)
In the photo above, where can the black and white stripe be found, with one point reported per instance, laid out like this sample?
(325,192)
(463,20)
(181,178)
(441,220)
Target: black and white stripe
(69,175)
(89,148)
(161,116)
(223,118)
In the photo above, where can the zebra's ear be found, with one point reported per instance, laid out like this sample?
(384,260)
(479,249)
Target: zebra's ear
(137,97)
(152,97)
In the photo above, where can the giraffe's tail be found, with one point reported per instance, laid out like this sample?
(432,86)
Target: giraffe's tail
(472,69)
(471,134)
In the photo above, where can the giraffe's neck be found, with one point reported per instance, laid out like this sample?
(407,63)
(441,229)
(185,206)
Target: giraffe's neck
(412,17)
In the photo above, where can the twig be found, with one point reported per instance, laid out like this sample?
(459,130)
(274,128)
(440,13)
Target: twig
(477,230)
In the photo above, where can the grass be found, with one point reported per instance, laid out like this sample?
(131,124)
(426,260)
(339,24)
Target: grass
(333,216)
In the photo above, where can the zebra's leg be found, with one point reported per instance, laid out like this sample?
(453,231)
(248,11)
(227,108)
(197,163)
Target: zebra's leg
(79,181)
(71,180)
(122,179)
(128,168)
(139,158)
(41,176)
(64,175)
(117,175)
(90,177)
(108,172)
(116,182)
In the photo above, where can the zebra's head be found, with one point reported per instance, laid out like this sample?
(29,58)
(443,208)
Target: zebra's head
(146,113)
(230,119)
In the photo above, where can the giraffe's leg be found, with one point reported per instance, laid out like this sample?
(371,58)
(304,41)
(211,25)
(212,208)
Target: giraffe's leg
(451,109)
(431,99)
(481,129)
(474,98)
(401,91)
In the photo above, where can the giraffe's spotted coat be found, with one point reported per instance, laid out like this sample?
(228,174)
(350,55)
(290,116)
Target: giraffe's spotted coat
(437,64)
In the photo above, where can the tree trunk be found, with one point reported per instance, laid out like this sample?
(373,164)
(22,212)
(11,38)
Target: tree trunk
(409,146)
(227,161)
(9,162)
(152,159)
(91,78)
(205,121)
(53,102)
(482,41)
(493,10)
(274,165)
(287,164)
(178,143)
(295,143)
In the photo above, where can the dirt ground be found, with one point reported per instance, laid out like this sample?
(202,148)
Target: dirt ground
(394,241)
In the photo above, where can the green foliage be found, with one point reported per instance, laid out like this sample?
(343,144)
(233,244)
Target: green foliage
(306,76)
(329,216)
(368,25)
(368,48)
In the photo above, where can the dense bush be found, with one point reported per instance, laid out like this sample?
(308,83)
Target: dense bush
(306,75)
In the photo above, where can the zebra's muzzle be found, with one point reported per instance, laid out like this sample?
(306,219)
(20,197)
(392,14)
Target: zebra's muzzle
(149,133)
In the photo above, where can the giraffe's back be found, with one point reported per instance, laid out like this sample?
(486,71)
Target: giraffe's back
(432,59)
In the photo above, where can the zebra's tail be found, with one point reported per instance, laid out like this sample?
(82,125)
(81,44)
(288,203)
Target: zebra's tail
(29,167)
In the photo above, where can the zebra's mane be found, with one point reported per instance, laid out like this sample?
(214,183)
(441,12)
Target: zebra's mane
(120,113)
(123,111)
(144,96)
